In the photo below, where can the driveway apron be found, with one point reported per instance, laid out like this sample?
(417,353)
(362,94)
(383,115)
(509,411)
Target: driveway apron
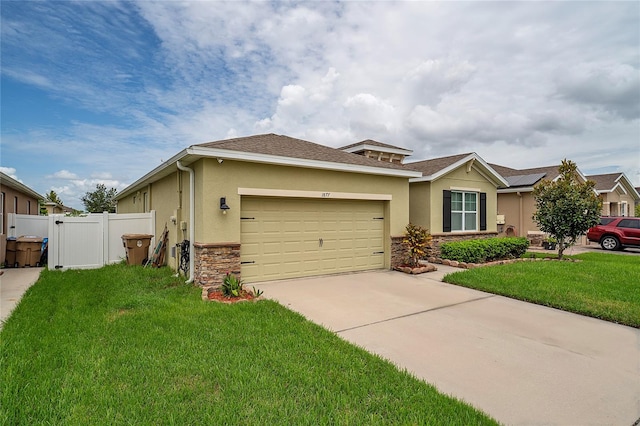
(521,363)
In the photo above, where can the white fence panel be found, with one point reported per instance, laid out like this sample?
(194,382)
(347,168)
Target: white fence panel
(120,224)
(83,242)
(76,242)
(27,224)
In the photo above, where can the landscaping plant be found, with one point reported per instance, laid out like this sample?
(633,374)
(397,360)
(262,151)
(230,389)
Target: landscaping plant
(232,286)
(567,207)
(484,250)
(416,240)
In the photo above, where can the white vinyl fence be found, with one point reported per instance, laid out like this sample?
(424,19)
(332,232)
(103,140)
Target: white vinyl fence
(83,242)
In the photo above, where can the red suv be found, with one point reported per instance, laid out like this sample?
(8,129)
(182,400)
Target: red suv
(615,233)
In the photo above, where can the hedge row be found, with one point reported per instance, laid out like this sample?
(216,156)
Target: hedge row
(486,250)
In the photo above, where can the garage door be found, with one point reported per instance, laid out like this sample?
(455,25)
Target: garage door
(292,237)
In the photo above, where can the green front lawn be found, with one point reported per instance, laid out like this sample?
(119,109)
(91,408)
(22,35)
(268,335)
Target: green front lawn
(128,345)
(605,286)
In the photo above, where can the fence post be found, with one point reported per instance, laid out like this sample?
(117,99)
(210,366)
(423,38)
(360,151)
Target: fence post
(105,238)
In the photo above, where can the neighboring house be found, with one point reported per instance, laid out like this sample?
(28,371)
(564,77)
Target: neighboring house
(15,197)
(455,198)
(516,203)
(271,207)
(617,193)
(56,208)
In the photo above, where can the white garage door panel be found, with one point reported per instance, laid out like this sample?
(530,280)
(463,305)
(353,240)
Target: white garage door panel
(281,237)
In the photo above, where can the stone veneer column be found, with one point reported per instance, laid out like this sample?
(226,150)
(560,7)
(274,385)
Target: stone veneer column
(213,261)
(398,251)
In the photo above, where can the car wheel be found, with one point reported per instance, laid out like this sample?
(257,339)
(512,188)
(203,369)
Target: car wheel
(610,243)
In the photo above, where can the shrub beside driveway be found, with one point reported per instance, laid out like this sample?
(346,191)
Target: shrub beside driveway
(128,345)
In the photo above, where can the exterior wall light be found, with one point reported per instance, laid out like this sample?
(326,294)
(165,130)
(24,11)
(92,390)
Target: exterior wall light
(223,205)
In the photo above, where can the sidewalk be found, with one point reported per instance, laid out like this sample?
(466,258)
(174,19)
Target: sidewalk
(13,283)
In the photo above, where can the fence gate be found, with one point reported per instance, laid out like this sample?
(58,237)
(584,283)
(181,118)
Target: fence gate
(76,242)
(84,242)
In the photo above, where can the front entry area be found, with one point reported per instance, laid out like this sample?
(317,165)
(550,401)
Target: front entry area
(298,237)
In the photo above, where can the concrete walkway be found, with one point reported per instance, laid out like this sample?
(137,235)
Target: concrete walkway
(521,363)
(13,283)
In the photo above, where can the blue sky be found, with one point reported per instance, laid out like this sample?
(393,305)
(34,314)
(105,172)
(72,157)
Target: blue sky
(102,92)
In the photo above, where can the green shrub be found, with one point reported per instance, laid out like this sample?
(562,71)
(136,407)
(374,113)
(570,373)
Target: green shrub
(485,250)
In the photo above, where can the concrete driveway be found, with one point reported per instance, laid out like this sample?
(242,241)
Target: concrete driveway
(521,363)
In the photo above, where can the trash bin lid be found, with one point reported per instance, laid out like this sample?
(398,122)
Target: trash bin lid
(29,239)
(136,236)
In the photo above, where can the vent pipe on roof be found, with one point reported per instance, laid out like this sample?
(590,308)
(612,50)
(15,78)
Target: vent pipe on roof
(192,215)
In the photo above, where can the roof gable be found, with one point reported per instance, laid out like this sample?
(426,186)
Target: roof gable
(437,167)
(609,182)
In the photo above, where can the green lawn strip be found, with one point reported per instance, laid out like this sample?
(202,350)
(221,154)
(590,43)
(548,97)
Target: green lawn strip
(129,345)
(605,286)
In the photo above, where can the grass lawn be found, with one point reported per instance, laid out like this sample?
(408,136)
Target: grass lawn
(605,286)
(128,345)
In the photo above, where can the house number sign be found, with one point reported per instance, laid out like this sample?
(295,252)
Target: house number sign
(326,194)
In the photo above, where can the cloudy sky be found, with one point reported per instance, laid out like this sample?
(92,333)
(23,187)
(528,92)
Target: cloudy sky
(102,92)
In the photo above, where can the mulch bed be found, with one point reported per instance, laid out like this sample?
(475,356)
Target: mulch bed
(215,294)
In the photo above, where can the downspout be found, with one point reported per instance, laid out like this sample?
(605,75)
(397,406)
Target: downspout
(520,217)
(192,215)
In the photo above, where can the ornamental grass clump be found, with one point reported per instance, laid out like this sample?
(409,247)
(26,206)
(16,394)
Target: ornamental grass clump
(416,240)
(232,286)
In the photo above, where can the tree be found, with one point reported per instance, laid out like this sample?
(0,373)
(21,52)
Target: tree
(638,210)
(566,208)
(52,196)
(100,200)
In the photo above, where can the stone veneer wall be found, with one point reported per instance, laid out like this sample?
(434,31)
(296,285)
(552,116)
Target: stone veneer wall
(398,252)
(213,261)
(437,239)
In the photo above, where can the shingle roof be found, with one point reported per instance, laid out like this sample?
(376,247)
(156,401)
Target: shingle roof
(10,182)
(285,146)
(429,167)
(605,182)
(374,143)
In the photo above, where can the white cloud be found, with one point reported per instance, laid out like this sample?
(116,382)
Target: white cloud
(11,172)
(63,174)
(521,83)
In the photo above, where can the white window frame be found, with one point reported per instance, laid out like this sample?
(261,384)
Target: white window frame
(623,209)
(465,212)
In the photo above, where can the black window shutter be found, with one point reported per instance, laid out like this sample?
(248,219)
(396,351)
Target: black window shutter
(446,211)
(483,211)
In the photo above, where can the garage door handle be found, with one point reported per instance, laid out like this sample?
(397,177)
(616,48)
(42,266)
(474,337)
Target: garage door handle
(321,241)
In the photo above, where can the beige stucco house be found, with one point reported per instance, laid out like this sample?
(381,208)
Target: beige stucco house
(271,206)
(15,197)
(455,198)
(617,193)
(516,203)
(56,208)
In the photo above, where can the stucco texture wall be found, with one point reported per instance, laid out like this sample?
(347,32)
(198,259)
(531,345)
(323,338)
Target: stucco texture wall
(518,210)
(223,180)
